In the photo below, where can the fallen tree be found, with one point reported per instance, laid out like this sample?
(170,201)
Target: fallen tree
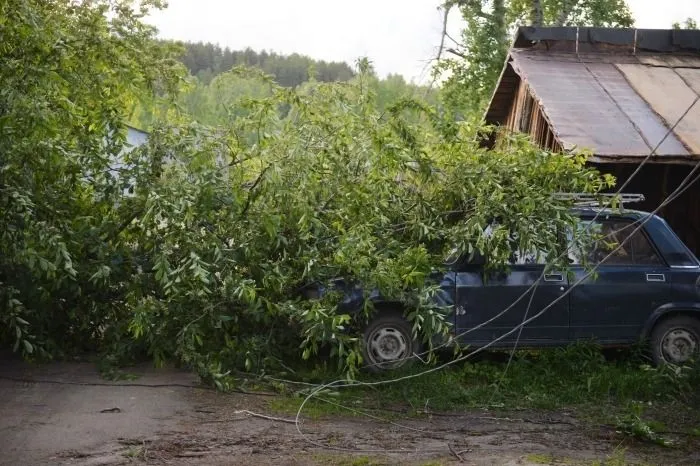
(194,246)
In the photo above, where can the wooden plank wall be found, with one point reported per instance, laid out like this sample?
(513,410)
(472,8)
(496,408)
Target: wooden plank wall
(526,116)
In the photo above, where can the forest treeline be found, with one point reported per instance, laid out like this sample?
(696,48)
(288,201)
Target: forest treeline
(206,60)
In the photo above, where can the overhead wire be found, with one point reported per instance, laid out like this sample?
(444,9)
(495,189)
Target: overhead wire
(682,187)
(533,287)
(535,283)
(646,218)
(341,383)
(619,191)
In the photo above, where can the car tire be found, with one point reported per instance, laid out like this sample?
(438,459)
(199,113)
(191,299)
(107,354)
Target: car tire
(675,340)
(388,343)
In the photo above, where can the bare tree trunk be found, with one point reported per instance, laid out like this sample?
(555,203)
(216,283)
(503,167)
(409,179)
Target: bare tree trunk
(499,17)
(499,21)
(447,7)
(445,16)
(537,15)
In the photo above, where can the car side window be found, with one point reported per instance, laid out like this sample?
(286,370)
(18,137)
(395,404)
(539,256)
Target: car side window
(636,250)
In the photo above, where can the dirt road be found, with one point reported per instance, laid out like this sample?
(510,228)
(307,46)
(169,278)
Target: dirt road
(64,413)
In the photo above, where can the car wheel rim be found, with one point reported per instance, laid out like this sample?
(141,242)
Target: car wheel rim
(387,345)
(679,345)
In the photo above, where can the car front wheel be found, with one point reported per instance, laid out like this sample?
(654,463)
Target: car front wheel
(676,340)
(388,343)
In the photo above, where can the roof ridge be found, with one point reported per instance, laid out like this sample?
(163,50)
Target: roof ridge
(634,39)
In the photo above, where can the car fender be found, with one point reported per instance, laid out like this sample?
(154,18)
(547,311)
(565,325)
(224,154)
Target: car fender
(354,295)
(682,307)
(354,300)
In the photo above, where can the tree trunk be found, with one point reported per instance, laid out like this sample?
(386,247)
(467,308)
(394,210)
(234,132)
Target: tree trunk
(499,20)
(537,16)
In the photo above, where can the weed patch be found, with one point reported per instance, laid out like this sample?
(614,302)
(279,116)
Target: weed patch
(633,424)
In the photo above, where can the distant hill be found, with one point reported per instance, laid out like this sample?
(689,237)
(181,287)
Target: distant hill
(206,60)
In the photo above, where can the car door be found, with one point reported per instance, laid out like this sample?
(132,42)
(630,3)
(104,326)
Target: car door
(613,304)
(480,298)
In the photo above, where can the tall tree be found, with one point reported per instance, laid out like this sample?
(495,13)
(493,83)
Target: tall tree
(474,61)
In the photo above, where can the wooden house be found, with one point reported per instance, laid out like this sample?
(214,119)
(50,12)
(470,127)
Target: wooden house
(630,96)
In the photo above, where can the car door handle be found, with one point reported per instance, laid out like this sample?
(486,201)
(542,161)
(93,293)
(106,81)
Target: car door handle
(554,277)
(656,277)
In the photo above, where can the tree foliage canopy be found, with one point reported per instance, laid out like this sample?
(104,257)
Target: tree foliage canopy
(194,246)
(474,61)
(213,98)
(70,70)
(689,23)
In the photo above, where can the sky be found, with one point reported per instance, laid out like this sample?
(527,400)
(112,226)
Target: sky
(399,36)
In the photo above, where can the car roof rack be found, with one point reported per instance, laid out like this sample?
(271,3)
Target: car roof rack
(600,200)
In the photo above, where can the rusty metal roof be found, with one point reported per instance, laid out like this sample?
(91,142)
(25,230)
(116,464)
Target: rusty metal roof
(615,92)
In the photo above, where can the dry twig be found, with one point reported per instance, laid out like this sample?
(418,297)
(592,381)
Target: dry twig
(456,454)
(262,416)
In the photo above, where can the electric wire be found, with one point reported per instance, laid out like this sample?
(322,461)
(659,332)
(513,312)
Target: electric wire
(566,250)
(340,383)
(683,186)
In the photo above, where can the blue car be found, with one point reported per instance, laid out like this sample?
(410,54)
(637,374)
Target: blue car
(645,288)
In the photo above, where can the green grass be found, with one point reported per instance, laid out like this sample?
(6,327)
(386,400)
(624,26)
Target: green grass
(338,460)
(537,380)
(617,458)
(623,392)
(543,459)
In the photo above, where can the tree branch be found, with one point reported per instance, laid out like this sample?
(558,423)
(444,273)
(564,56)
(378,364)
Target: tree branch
(446,7)
(111,236)
(456,42)
(263,416)
(251,191)
(456,52)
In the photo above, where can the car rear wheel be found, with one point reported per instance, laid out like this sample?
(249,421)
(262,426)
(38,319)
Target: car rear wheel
(676,340)
(387,343)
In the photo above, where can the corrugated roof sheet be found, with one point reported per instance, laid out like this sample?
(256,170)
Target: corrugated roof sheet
(665,90)
(617,102)
(646,123)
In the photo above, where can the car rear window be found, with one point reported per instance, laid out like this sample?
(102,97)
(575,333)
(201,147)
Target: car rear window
(675,251)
